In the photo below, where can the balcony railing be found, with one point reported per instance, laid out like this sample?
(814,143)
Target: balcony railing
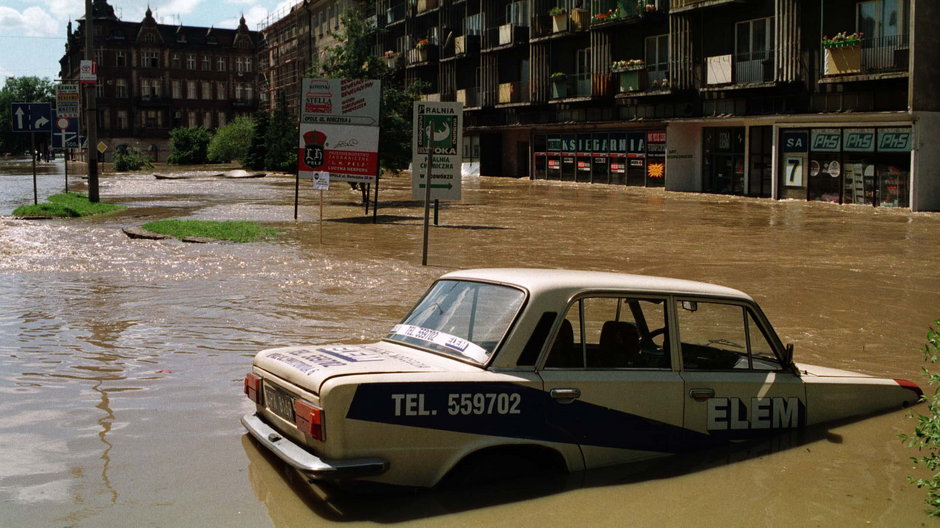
(573,85)
(504,35)
(884,54)
(754,67)
(608,11)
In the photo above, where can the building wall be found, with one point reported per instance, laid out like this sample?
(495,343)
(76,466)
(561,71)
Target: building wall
(926,162)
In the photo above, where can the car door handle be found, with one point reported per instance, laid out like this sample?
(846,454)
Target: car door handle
(565,395)
(701,394)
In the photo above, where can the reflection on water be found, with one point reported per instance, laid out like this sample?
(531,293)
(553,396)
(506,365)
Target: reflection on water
(121,360)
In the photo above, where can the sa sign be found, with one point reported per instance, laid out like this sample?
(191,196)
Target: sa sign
(795,141)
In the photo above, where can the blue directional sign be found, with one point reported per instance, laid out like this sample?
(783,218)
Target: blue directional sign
(64,131)
(31,117)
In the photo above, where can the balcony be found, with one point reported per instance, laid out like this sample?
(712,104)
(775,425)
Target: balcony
(432,97)
(571,85)
(613,12)
(756,67)
(678,6)
(642,80)
(505,35)
(465,45)
(423,55)
(870,56)
(427,5)
(470,97)
(513,92)
(394,14)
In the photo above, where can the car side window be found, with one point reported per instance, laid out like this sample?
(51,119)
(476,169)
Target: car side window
(607,332)
(719,336)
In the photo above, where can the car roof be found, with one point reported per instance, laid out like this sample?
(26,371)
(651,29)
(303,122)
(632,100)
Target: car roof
(541,281)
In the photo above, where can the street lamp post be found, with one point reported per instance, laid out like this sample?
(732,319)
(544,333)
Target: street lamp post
(91,109)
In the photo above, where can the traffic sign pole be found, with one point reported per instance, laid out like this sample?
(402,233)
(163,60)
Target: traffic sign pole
(32,153)
(427,197)
(91,117)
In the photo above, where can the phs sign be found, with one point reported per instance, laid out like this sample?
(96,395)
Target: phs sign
(438,136)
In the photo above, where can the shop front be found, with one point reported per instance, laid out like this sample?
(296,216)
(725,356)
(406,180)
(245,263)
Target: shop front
(636,157)
(847,165)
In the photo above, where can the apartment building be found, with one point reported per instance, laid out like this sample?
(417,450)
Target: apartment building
(826,100)
(154,77)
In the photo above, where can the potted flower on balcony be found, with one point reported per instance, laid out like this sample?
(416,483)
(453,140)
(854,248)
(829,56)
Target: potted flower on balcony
(631,74)
(580,18)
(843,53)
(606,16)
(391,58)
(559,85)
(421,50)
(559,19)
(644,7)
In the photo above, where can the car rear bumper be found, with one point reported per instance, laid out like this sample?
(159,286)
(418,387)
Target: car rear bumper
(306,462)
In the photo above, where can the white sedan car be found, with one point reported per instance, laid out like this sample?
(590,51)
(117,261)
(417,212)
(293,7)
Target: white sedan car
(569,369)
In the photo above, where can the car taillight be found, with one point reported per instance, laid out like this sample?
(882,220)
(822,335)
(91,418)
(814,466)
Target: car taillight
(253,387)
(308,419)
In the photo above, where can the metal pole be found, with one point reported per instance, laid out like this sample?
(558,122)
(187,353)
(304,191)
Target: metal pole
(91,108)
(32,153)
(65,154)
(378,162)
(437,208)
(427,198)
(321,217)
(296,192)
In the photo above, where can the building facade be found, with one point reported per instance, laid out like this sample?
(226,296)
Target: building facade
(826,100)
(154,77)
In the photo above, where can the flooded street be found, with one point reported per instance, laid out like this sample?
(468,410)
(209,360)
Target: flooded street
(121,361)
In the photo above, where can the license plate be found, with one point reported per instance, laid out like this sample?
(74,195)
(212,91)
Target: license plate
(279,402)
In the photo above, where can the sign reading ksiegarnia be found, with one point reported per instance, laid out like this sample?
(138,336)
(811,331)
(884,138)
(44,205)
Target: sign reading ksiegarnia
(339,129)
(438,129)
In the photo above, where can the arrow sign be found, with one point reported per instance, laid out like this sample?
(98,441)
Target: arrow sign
(31,117)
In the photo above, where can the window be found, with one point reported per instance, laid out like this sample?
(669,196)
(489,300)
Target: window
(175,62)
(753,50)
(222,120)
(191,89)
(657,53)
(122,122)
(717,336)
(882,19)
(220,91)
(221,64)
(177,89)
(612,332)
(190,62)
(517,13)
(248,64)
(120,60)
(150,59)
(207,120)
(205,63)
(192,119)
(239,65)
(472,24)
(121,89)
(206,90)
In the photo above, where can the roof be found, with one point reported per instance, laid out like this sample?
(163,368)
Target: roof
(541,281)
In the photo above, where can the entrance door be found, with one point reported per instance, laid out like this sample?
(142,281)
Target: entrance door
(759,177)
(723,170)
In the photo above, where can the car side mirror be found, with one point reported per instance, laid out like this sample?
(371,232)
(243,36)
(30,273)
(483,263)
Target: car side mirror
(690,306)
(788,355)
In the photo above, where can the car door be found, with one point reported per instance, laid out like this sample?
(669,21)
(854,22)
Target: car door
(612,389)
(736,386)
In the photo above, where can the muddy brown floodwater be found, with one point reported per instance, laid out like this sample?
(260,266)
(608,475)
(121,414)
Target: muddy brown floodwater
(121,361)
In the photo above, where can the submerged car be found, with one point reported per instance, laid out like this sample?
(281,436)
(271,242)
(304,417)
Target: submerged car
(568,368)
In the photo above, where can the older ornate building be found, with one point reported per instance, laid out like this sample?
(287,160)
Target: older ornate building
(155,77)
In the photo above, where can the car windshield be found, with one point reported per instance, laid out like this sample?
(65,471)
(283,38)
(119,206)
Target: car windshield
(461,318)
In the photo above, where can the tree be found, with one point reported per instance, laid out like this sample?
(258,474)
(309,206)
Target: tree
(188,146)
(20,90)
(257,149)
(281,140)
(926,436)
(354,57)
(232,141)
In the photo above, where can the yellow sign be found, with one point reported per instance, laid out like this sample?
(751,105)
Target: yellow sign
(102,146)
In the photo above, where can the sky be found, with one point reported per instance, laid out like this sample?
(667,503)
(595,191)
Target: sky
(33,32)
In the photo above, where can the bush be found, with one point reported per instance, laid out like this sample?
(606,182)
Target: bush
(188,146)
(926,437)
(232,141)
(130,160)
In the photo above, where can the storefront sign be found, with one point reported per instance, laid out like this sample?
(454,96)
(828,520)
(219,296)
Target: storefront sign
(827,140)
(436,136)
(569,143)
(795,141)
(656,170)
(858,140)
(894,139)
(553,144)
(636,143)
(656,136)
(794,171)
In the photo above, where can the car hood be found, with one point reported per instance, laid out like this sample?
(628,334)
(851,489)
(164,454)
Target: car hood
(310,366)
(827,372)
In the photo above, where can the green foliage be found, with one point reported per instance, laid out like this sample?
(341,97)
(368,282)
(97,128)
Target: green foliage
(234,231)
(188,146)
(232,141)
(130,160)
(20,90)
(281,140)
(68,205)
(926,437)
(354,58)
(258,149)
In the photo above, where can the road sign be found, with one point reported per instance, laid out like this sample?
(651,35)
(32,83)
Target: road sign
(31,117)
(65,133)
(67,102)
(438,130)
(341,101)
(88,72)
(102,147)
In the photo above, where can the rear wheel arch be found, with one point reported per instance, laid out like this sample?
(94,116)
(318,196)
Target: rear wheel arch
(503,462)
